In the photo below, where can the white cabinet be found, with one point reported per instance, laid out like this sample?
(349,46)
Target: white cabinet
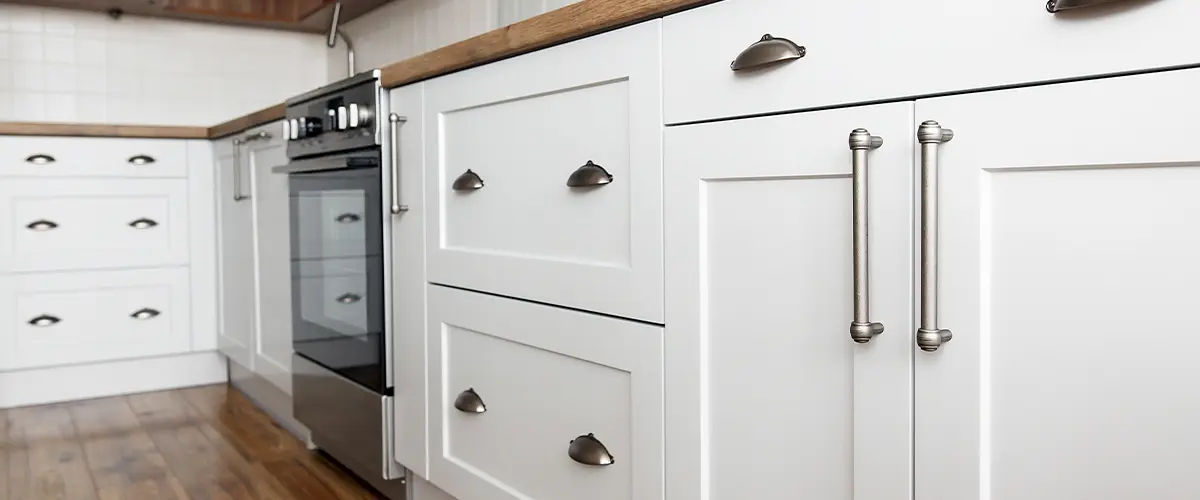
(67,224)
(513,137)
(256,265)
(873,50)
(530,401)
(768,397)
(1068,263)
(408,285)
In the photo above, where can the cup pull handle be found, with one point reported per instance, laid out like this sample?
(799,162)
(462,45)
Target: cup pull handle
(468,181)
(348,298)
(145,313)
(143,223)
(767,51)
(45,320)
(348,218)
(468,401)
(141,160)
(862,330)
(588,450)
(931,135)
(41,225)
(589,175)
(40,159)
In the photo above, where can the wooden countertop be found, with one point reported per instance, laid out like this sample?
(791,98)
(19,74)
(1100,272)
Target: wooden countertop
(572,22)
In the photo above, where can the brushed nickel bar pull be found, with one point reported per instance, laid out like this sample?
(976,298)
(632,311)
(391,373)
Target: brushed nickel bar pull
(767,51)
(468,401)
(862,330)
(396,121)
(141,160)
(1056,6)
(467,181)
(589,175)
(931,135)
(40,159)
(588,450)
(237,170)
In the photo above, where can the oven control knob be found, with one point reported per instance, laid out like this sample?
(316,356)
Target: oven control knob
(307,127)
(343,121)
(292,130)
(360,116)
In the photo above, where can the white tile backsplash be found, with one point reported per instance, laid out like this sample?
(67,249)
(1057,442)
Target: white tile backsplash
(77,66)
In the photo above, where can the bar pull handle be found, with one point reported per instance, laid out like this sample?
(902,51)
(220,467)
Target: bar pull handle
(862,330)
(1056,6)
(931,135)
(767,51)
(396,121)
(588,450)
(237,170)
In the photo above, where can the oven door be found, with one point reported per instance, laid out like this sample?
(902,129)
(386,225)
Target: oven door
(337,266)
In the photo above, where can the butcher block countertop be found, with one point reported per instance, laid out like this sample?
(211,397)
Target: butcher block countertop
(572,22)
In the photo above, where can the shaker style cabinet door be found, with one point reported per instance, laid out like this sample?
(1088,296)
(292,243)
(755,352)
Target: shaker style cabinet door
(1068,263)
(273,263)
(235,258)
(770,395)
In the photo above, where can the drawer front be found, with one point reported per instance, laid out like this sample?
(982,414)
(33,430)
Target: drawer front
(525,128)
(85,224)
(879,49)
(92,157)
(545,378)
(63,318)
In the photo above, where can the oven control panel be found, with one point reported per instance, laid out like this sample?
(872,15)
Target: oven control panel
(339,117)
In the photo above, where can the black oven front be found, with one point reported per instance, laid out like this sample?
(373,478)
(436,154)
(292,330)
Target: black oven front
(337,264)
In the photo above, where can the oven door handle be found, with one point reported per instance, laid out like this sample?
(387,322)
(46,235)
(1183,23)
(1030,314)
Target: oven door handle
(327,164)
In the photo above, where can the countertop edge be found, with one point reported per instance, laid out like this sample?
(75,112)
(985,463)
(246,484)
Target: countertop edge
(572,22)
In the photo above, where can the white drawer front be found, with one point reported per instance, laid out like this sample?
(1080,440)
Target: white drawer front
(524,126)
(883,49)
(92,157)
(546,376)
(57,319)
(82,224)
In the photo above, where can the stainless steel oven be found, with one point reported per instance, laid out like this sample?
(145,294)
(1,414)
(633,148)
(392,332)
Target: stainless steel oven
(341,370)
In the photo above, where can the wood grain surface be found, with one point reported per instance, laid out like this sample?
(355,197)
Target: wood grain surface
(199,443)
(572,22)
(578,20)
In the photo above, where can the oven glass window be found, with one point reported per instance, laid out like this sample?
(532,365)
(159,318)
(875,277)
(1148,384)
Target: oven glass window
(337,272)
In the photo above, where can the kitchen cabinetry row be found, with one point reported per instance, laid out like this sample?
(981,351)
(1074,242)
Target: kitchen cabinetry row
(104,266)
(701,326)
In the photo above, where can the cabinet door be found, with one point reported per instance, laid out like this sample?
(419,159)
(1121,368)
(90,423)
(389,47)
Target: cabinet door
(768,397)
(272,261)
(408,280)
(1068,235)
(235,238)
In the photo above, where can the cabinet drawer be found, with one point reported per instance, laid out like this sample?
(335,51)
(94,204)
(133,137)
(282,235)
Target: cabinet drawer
(61,318)
(81,224)
(881,49)
(524,127)
(92,157)
(541,377)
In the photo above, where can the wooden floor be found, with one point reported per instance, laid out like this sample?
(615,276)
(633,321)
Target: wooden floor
(200,443)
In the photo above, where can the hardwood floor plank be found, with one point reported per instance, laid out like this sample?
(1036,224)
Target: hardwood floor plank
(203,470)
(119,453)
(338,481)
(55,468)
(253,433)
(299,482)
(156,489)
(163,409)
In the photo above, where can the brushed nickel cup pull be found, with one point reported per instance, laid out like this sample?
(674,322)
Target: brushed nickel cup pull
(468,181)
(143,223)
(589,175)
(862,330)
(1056,6)
(931,135)
(348,298)
(588,450)
(144,314)
(141,160)
(468,401)
(44,321)
(40,159)
(41,225)
(348,218)
(396,121)
(767,51)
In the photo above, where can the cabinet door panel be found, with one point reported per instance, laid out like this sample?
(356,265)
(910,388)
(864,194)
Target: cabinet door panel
(273,265)
(767,395)
(1068,243)
(235,259)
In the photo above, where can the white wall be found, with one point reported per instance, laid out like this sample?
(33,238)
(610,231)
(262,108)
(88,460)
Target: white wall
(405,28)
(75,66)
